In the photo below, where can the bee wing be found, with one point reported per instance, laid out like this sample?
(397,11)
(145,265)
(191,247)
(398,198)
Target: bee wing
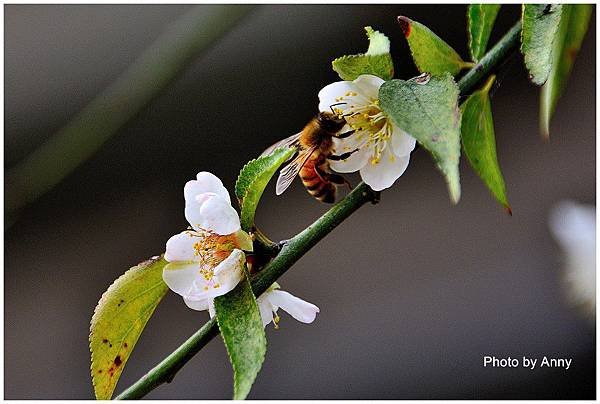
(289,172)
(287,142)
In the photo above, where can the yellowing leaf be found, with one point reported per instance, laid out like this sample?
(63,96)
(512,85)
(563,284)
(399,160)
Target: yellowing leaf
(574,23)
(430,53)
(119,319)
(479,142)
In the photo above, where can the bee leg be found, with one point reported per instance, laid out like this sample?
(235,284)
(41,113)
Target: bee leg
(345,134)
(339,180)
(333,105)
(343,156)
(333,178)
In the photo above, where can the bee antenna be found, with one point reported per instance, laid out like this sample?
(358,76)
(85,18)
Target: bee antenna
(333,105)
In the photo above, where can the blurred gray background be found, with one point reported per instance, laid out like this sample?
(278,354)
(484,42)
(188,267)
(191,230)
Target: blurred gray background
(413,291)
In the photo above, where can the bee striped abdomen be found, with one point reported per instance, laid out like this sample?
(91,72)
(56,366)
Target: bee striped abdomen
(317,187)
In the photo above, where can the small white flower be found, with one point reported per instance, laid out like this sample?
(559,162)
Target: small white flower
(383,148)
(573,225)
(274,299)
(208,260)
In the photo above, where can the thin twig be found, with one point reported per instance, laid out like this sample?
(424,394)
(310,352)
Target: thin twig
(491,60)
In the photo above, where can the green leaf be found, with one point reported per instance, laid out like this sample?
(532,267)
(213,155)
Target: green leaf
(430,53)
(481,18)
(574,23)
(119,319)
(479,142)
(253,179)
(242,329)
(426,107)
(540,24)
(376,61)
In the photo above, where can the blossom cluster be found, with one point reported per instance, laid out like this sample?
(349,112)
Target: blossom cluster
(209,259)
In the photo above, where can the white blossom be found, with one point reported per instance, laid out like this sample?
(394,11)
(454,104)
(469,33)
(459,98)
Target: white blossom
(573,225)
(208,260)
(380,149)
(275,299)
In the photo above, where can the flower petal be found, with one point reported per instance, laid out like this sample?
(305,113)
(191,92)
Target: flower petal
(186,280)
(212,213)
(233,264)
(354,141)
(205,182)
(219,216)
(227,274)
(265,308)
(355,162)
(330,94)
(573,224)
(402,143)
(383,174)
(180,247)
(192,209)
(196,304)
(196,192)
(368,85)
(299,309)
(180,276)
(211,308)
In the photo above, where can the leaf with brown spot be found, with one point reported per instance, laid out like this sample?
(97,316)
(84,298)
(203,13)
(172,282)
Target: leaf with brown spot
(119,319)
(430,53)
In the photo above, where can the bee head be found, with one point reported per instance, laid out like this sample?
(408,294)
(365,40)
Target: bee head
(331,122)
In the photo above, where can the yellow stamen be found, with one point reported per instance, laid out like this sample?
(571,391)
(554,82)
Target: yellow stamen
(369,121)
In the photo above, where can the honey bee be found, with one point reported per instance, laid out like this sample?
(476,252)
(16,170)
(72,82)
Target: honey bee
(312,161)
